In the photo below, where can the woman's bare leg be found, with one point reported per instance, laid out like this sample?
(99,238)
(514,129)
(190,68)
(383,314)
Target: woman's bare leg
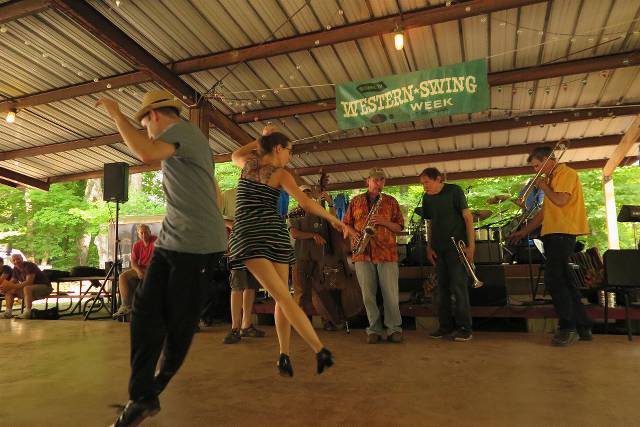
(283,326)
(270,278)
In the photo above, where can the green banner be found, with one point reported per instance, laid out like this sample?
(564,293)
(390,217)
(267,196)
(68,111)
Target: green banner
(454,89)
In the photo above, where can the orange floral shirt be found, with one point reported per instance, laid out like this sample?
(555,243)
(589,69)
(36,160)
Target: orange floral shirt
(382,247)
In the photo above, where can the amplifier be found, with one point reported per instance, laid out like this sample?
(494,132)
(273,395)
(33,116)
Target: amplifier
(488,252)
(622,267)
(494,291)
(629,213)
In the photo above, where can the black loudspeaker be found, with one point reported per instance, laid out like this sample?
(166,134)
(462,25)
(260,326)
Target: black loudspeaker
(116,182)
(494,291)
(622,267)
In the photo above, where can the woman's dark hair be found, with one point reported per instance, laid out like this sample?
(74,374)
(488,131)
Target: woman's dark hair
(269,142)
(431,173)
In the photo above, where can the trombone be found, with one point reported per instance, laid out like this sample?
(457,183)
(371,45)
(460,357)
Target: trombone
(561,145)
(471,271)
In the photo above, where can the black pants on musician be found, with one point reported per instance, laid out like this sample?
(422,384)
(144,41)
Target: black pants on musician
(166,309)
(557,279)
(452,280)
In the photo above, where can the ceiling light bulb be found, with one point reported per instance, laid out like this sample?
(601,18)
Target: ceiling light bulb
(118,3)
(11,116)
(398,40)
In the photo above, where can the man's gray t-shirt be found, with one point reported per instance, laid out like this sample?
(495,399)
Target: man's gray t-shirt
(193,223)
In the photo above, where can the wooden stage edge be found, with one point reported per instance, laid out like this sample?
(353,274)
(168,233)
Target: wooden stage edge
(507,311)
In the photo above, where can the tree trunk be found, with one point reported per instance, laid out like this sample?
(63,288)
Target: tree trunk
(135,183)
(93,193)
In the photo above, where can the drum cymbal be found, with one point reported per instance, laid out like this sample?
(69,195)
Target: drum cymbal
(481,214)
(498,199)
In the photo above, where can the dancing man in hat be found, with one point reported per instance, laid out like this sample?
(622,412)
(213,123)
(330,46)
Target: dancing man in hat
(166,305)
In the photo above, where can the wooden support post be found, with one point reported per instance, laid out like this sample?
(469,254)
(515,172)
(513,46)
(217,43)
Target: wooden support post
(610,212)
(200,117)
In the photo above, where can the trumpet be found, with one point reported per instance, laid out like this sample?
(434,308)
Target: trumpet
(561,145)
(471,270)
(368,231)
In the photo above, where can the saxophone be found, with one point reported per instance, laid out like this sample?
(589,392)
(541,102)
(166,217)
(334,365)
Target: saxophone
(361,243)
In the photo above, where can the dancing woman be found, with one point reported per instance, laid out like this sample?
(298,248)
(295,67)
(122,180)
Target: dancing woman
(260,238)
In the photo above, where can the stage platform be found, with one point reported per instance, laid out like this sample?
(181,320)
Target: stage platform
(68,373)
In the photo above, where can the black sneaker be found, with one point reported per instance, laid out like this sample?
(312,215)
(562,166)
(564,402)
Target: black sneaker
(440,333)
(135,412)
(462,335)
(585,334)
(251,331)
(233,337)
(564,337)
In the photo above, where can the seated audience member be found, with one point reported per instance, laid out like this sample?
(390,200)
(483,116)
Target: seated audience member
(5,274)
(129,280)
(5,271)
(27,282)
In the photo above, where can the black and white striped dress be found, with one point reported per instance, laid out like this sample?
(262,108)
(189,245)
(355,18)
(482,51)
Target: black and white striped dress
(258,229)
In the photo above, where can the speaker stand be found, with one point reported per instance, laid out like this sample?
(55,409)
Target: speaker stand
(113,273)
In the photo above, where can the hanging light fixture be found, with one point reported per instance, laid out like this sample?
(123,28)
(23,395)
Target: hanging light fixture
(398,38)
(11,115)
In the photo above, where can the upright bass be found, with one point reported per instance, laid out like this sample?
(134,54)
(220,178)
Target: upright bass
(337,294)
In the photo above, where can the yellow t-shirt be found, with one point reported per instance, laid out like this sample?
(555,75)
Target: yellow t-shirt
(571,218)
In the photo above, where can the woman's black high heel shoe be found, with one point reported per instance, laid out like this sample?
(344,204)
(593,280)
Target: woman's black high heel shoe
(284,366)
(325,360)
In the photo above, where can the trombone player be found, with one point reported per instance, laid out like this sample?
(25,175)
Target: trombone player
(445,205)
(563,218)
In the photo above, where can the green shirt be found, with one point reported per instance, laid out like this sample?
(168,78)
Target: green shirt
(445,212)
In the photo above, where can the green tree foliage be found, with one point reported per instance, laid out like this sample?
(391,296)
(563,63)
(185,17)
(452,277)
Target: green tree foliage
(47,226)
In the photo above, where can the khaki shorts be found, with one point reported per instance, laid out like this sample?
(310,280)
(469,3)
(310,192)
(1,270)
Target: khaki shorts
(40,291)
(242,279)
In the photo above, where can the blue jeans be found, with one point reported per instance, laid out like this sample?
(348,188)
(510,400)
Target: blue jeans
(386,275)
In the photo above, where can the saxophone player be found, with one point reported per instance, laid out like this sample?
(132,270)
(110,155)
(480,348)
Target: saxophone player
(377,263)
(445,205)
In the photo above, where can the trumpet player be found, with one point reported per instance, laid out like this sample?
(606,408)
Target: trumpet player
(377,263)
(445,205)
(563,217)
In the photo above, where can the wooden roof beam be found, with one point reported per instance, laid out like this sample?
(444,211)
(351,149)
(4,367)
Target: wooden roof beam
(8,183)
(112,36)
(478,153)
(539,72)
(17,9)
(24,180)
(488,173)
(374,27)
(363,141)
(464,129)
(599,141)
(626,142)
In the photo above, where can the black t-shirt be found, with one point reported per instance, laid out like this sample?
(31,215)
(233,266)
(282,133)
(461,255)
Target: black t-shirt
(6,271)
(445,212)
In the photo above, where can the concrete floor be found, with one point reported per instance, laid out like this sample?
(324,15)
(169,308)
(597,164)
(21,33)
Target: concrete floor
(67,373)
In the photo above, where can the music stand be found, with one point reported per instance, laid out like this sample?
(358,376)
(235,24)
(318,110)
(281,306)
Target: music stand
(113,273)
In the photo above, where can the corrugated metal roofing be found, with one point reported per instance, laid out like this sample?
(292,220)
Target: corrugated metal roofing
(49,50)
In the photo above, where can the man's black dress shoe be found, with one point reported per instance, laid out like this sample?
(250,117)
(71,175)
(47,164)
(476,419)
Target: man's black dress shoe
(135,412)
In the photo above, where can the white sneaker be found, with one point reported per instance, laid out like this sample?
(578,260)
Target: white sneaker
(122,311)
(25,315)
(7,314)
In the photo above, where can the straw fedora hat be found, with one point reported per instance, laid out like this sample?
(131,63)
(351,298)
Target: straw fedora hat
(157,99)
